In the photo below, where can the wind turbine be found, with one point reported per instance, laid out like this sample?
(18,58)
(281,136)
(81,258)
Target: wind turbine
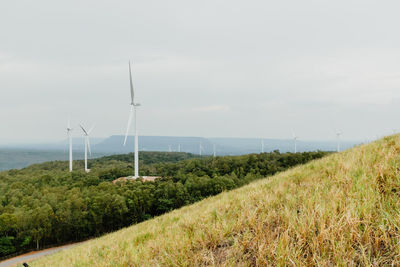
(87,144)
(69,129)
(132,115)
(200,148)
(338,134)
(215,150)
(179,148)
(295,138)
(262,145)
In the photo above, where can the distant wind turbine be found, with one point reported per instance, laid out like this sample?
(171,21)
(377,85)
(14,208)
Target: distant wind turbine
(179,148)
(215,150)
(262,145)
(295,138)
(87,145)
(338,134)
(201,149)
(132,115)
(69,129)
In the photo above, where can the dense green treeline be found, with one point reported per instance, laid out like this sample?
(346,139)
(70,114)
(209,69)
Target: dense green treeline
(45,204)
(147,157)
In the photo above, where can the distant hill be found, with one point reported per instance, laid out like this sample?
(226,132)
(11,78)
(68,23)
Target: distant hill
(114,144)
(20,156)
(342,210)
(224,146)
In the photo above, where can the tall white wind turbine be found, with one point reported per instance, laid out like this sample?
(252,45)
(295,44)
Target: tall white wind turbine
(87,145)
(215,150)
(295,138)
(69,129)
(338,134)
(132,115)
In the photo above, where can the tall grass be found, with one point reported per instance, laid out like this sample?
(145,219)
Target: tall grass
(340,210)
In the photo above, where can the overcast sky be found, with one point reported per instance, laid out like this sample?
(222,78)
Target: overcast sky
(201,68)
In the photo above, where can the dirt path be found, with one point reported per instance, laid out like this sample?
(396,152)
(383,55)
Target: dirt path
(34,255)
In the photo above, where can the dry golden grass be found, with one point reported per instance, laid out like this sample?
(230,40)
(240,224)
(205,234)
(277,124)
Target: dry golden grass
(340,210)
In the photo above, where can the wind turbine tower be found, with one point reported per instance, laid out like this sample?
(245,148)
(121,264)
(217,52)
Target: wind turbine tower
(87,145)
(262,145)
(200,149)
(69,129)
(295,138)
(215,151)
(179,148)
(338,134)
(132,115)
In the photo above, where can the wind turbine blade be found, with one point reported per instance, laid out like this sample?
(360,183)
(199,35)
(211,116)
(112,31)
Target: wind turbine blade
(131,84)
(88,144)
(69,123)
(83,129)
(129,124)
(91,129)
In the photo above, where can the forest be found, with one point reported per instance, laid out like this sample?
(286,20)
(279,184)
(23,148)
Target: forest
(45,205)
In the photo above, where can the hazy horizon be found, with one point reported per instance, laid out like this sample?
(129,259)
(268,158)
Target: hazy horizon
(253,69)
(98,139)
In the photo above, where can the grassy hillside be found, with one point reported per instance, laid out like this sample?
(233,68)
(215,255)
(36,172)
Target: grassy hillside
(342,209)
(44,204)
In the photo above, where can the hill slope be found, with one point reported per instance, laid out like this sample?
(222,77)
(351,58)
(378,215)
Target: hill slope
(343,209)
